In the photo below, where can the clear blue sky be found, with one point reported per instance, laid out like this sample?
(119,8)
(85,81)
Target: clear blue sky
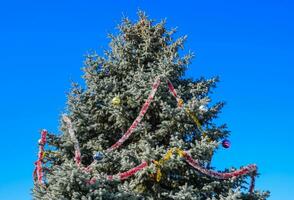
(248,44)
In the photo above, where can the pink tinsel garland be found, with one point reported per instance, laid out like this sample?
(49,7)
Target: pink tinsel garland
(249,169)
(123,175)
(38,164)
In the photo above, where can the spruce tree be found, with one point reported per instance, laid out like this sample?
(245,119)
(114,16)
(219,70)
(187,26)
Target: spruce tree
(154,161)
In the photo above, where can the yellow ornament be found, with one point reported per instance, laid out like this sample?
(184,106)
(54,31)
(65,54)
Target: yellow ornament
(116,101)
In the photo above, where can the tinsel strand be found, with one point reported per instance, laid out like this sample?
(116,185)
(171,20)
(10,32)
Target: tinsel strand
(247,170)
(120,176)
(38,172)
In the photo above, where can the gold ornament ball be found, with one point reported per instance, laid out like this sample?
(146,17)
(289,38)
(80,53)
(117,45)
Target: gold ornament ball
(116,101)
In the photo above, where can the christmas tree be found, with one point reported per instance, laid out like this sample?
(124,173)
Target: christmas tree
(139,129)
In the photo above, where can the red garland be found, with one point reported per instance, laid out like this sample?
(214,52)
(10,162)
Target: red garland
(123,175)
(127,174)
(38,164)
(172,89)
(250,169)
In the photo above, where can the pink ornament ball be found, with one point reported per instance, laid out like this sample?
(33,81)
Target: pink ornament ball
(226,143)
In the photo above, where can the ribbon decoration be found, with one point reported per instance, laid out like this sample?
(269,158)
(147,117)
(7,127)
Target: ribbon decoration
(249,169)
(38,172)
(73,139)
(121,176)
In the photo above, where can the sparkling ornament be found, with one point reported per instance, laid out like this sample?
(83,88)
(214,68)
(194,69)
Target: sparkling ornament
(98,156)
(40,142)
(203,108)
(226,143)
(116,101)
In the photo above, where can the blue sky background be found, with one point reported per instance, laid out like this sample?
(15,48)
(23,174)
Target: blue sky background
(248,44)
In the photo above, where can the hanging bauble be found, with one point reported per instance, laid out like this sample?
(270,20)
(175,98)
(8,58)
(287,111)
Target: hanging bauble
(226,143)
(98,156)
(203,108)
(116,101)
